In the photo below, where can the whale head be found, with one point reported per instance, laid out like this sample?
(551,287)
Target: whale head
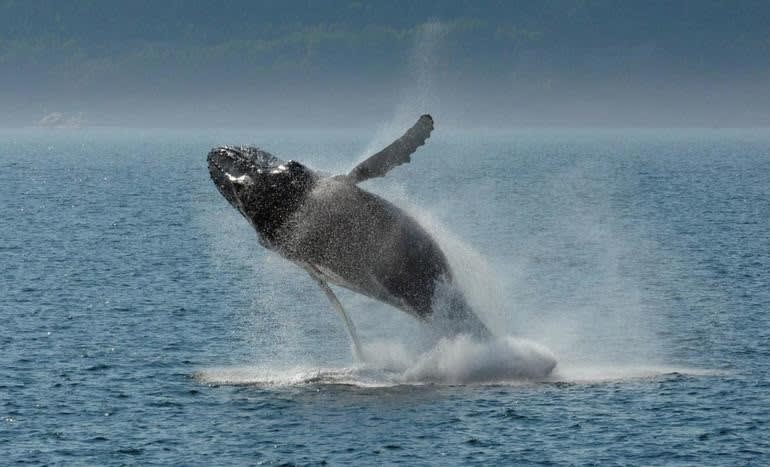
(265,189)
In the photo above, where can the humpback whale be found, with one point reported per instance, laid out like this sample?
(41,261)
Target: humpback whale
(344,235)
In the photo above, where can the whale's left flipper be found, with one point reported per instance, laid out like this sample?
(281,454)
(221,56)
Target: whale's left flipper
(395,154)
(316,275)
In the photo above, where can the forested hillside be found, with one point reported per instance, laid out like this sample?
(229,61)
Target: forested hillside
(554,57)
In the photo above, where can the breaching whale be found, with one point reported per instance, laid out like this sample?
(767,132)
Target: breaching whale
(344,235)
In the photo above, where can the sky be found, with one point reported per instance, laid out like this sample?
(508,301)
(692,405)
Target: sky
(324,63)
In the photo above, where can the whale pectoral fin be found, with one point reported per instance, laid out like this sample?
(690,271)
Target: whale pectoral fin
(316,275)
(395,154)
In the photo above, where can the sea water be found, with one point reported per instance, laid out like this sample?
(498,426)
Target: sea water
(141,322)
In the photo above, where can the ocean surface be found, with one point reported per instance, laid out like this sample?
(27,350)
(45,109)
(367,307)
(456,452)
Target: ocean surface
(142,323)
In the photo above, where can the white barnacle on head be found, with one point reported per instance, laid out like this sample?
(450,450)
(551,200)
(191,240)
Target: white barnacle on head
(242,180)
(279,169)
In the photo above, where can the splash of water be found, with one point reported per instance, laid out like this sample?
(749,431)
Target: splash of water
(455,360)
(462,360)
(419,96)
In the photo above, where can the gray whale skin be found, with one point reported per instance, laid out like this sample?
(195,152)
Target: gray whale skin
(344,235)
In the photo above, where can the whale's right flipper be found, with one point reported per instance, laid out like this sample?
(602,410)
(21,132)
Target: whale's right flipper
(316,275)
(395,154)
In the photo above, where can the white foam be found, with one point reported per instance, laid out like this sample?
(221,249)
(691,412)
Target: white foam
(456,360)
(462,360)
(434,372)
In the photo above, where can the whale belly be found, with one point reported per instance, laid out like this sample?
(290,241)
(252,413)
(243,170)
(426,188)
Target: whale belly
(362,242)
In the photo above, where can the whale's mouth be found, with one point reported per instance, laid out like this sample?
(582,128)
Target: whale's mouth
(220,165)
